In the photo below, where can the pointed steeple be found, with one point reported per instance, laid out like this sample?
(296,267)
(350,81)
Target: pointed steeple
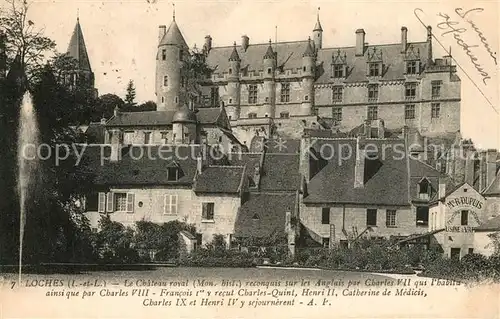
(269,53)
(309,52)
(318,27)
(77,48)
(234,55)
(173,36)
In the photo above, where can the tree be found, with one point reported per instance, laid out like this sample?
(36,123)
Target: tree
(130,96)
(146,106)
(196,71)
(106,105)
(22,38)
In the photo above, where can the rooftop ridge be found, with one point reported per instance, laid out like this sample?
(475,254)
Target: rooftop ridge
(370,45)
(258,44)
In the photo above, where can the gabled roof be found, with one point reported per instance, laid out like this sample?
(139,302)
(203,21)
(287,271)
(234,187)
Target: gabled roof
(494,188)
(386,182)
(263,214)
(220,179)
(158,118)
(234,55)
(269,53)
(173,36)
(492,224)
(77,49)
(309,52)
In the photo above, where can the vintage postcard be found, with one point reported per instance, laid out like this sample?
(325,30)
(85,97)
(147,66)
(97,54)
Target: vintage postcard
(249,159)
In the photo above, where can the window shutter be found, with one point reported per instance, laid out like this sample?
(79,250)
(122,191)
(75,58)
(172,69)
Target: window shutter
(130,202)
(101,204)
(417,67)
(204,210)
(165,203)
(110,202)
(173,204)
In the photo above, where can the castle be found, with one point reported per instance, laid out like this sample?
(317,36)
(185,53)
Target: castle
(315,99)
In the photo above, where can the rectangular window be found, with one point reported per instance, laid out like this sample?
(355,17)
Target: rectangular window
(165,80)
(252,115)
(326,242)
(422,216)
(337,94)
(390,218)
(120,202)
(284,115)
(435,110)
(325,216)
(464,217)
(411,67)
(455,253)
(374,69)
(170,204)
(252,94)
(183,83)
(172,174)
(285,92)
(471,251)
(214,96)
(337,114)
(373,92)
(371,217)
(128,138)
(92,202)
(410,91)
(147,137)
(164,137)
(436,89)
(207,211)
(338,70)
(372,113)
(409,112)
(163,54)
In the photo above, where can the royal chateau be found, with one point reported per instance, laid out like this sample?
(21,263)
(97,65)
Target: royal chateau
(323,144)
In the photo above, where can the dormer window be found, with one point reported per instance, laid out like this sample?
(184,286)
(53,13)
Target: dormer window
(230,71)
(424,189)
(374,69)
(338,70)
(172,174)
(372,92)
(269,70)
(411,67)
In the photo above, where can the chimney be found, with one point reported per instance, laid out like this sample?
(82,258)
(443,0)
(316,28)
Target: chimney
(404,39)
(360,42)
(491,166)
(245,42)
(442,189)
(116,146)
(161,32)
(469,167)
(367,132)
(305,145)
(429,45)
(103,121)
(381,129)
(208,43)
(359,168)
(116,111)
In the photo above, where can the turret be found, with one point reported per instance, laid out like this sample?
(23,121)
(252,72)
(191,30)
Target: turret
(184,126)
(308,72)
(233,86)
(269,83)
(318,34)
(171,92)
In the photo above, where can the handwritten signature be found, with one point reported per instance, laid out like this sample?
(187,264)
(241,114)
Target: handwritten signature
(454,28)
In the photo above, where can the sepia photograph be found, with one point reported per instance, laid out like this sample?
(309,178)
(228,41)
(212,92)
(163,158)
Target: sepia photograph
(245,159)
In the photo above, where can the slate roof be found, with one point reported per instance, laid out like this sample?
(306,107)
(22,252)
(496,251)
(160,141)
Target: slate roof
(494,188)
(160,118)
(173,35)
(280,172)
(386,177)
(290,54)
(492,224)
(134,169)
(77,49)
(263,214)
(220,179)
(393,60)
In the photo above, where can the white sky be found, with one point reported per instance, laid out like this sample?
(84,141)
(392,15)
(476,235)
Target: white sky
(121,37)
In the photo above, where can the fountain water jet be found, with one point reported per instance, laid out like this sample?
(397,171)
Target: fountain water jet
(27,143)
